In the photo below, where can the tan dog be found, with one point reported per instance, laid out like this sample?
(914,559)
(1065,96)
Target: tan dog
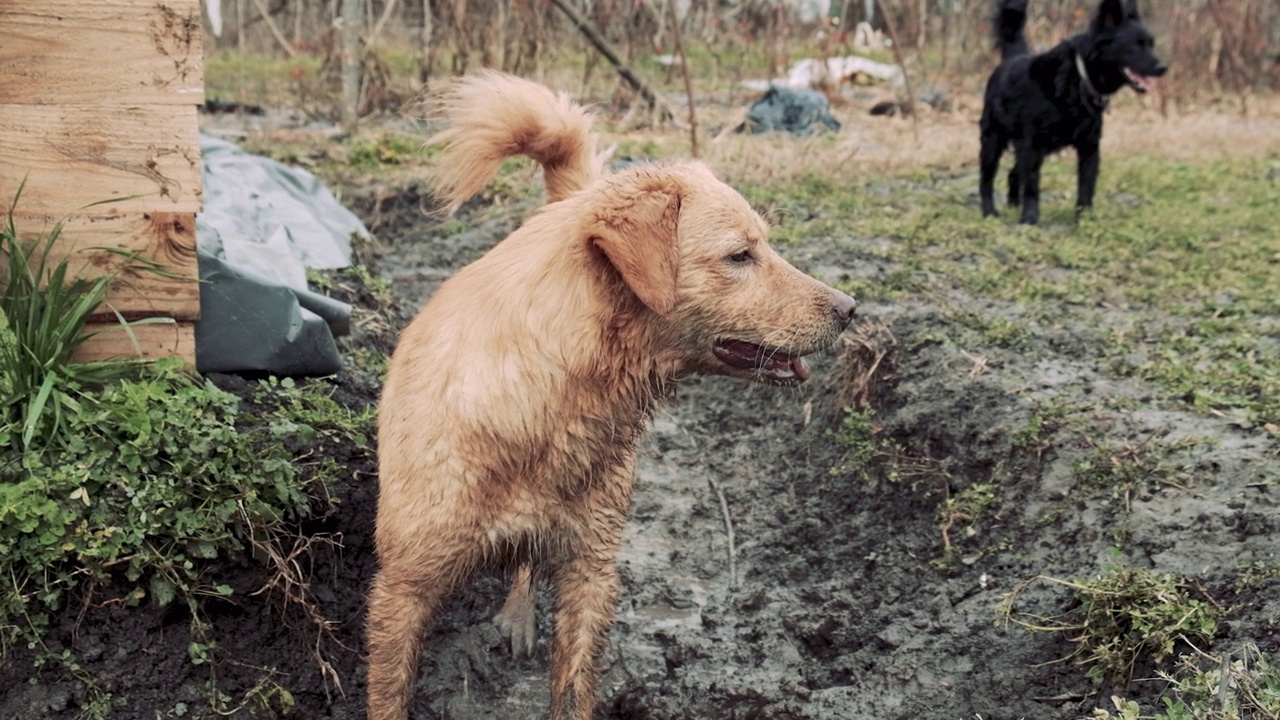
(515,401)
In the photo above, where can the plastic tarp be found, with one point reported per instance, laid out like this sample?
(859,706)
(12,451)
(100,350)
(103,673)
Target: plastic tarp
(263,225)
(789,109)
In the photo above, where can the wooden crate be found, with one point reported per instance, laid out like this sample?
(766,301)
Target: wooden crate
(98,125)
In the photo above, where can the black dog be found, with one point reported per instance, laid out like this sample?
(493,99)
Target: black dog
(1043,103)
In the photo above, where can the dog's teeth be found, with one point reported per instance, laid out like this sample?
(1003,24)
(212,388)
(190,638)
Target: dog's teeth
(801,368)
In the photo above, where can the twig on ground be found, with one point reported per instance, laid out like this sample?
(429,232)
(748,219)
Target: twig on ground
(728,527)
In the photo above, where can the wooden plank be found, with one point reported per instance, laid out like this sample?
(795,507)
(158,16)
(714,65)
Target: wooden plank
(165,238)
(118,52)
(148,342)
(145,157)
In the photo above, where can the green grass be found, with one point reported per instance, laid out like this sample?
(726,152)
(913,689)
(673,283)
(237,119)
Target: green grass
(1243,685)
(1120,616)
(260,78)
(1173,276)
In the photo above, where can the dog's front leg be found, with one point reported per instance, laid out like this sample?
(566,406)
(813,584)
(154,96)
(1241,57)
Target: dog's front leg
(587,596)
(1089,160)
(1015,187)
(1028,169)
(989,161)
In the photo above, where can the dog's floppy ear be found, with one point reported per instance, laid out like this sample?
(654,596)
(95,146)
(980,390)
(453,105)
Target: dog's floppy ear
(636,228)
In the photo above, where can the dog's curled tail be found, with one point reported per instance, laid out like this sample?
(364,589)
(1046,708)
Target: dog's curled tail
(1010,26)
(493,116)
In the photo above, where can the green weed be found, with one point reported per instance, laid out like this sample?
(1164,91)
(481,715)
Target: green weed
(372,155)
(1127,467)
(965,508)
(867,454)
(1045,419)
(44,310)
(158,476)
(1243,685)
(859,442)
(1120,616)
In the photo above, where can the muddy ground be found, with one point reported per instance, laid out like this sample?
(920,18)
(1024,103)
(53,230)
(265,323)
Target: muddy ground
(837,601)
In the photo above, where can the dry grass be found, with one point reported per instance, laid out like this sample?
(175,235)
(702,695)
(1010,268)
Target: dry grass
(948,142)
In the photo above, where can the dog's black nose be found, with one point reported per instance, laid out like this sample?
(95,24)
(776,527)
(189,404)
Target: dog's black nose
(1160,70)
(842,308)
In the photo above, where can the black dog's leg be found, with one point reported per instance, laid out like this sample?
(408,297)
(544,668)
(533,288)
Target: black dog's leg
(989,161)
(1015,187)
(1028,168)
(1086,176)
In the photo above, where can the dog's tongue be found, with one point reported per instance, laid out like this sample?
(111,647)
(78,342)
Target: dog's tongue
(1140,81)
(775,364)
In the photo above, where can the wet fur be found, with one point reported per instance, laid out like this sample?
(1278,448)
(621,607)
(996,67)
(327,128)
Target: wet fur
(1039,104)
(516,399)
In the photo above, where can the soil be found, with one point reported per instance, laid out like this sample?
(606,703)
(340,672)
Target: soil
(837,599)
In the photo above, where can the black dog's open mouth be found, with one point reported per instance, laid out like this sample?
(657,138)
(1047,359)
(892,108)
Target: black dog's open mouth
(771,365)
(1139,82)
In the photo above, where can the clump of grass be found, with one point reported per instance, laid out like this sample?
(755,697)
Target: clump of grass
(1120,616)
(859,442)
(964,508)
(44,311)
(1046,419)
(1240,685)
(1126,467)
(372,155)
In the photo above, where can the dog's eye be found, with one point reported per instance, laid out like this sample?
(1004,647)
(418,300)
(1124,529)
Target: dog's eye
(740,258)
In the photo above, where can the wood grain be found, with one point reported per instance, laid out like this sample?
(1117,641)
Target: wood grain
(143,159)
(166,239)
(148,342)
(117,52)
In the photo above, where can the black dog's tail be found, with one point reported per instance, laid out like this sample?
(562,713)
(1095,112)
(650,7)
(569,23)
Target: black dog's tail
(1010,26)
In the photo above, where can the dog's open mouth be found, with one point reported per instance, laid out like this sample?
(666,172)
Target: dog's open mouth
(771,365)
(1139,82)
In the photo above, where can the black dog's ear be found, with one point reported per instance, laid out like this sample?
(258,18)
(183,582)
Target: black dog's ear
(1111,13)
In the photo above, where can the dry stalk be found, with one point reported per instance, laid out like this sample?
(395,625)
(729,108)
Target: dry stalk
(862,364)
(902,64)
(688,83)
(292,581)
(275,30)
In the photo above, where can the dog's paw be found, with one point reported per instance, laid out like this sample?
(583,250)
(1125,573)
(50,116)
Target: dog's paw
(517,619)
(520,631)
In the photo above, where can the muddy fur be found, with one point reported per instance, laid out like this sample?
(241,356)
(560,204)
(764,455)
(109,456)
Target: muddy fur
(515,401)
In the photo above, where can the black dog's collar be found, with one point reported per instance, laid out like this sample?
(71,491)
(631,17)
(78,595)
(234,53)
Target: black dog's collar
(1092,92)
